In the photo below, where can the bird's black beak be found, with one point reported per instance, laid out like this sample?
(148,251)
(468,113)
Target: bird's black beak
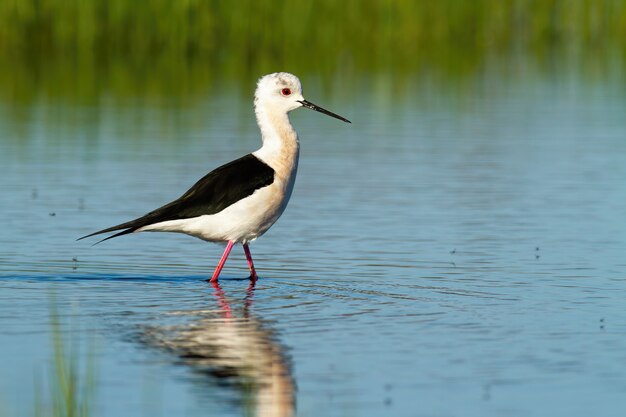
(312,106)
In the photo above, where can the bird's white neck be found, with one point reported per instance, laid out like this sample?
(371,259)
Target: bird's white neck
(280,148)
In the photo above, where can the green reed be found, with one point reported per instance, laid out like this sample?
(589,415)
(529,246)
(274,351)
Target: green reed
(71,380)
(160,48)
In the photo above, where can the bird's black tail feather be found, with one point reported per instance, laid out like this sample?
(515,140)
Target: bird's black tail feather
(123,232)
(129,227)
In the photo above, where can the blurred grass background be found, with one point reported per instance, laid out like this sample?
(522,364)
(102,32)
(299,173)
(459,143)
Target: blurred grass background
(82,49)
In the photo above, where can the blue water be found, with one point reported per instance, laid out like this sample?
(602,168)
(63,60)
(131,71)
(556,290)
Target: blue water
(453,252)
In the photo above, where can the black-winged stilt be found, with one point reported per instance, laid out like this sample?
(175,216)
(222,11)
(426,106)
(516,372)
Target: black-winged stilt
(241,200)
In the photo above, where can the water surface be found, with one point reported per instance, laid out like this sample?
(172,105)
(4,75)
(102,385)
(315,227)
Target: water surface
(452,252)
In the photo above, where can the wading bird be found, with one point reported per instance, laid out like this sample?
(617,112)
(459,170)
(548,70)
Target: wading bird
(241,200)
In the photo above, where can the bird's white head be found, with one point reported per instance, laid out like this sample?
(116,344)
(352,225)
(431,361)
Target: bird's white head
(282,92)
(279,91)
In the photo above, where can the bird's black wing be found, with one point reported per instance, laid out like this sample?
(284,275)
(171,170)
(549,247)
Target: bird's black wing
(217,190)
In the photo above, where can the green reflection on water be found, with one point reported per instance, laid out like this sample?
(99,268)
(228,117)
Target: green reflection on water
(81,49)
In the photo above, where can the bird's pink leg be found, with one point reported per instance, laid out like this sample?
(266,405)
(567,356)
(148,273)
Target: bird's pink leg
(220,265)
(253,275)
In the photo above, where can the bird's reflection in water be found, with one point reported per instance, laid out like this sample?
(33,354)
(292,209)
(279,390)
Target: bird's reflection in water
(236,347)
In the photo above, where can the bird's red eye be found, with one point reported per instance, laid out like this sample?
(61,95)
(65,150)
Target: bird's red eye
(285,91)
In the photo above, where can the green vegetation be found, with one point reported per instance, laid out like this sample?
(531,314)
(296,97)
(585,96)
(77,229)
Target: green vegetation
(71,391)
(163,48)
